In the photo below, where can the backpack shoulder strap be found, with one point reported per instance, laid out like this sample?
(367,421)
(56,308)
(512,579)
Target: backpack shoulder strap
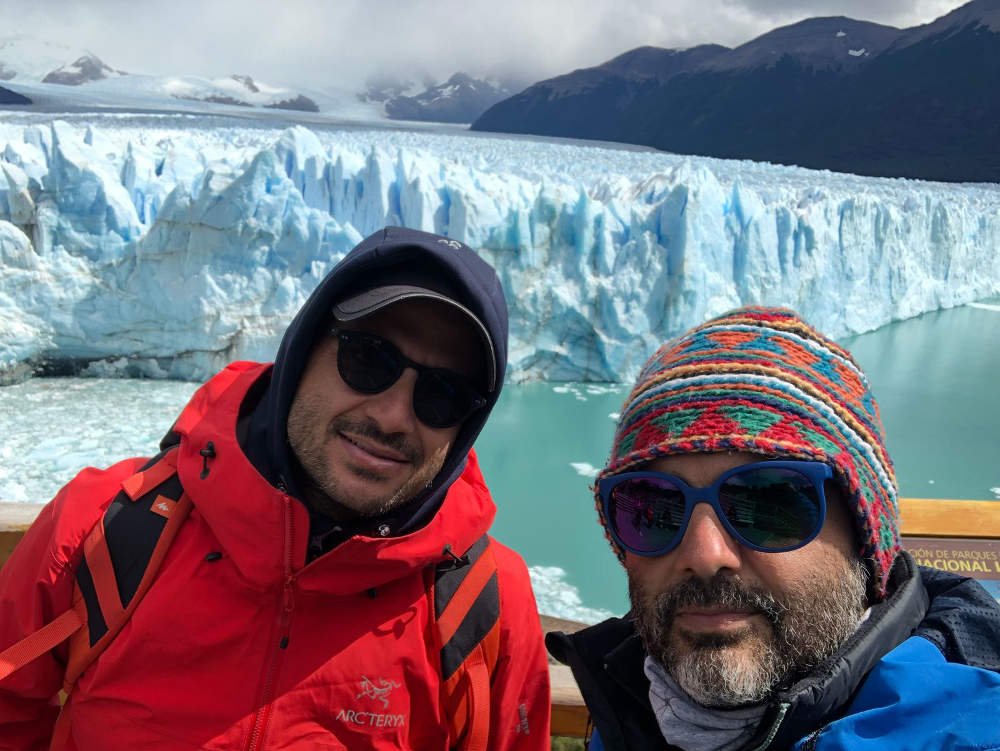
(466,598)
(121,556)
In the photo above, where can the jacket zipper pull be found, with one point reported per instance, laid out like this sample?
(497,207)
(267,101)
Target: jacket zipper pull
(287,606)
(455,562)
(206,453)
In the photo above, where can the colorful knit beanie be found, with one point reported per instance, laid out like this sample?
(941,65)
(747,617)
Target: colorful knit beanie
(762,380)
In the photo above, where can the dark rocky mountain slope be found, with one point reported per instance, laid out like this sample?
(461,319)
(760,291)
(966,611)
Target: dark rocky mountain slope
(825,93)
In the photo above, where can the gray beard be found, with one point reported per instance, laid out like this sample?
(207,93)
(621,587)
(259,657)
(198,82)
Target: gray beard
(746,667)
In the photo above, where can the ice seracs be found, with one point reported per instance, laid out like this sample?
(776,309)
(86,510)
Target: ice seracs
(167,247)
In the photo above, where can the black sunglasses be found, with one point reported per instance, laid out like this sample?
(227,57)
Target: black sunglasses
(370,364)
(771,506)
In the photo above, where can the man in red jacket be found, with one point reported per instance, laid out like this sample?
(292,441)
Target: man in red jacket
(292,609)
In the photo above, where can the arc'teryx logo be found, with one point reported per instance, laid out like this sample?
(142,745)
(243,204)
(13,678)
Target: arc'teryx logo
(451,243)
(372,690)
(380,692)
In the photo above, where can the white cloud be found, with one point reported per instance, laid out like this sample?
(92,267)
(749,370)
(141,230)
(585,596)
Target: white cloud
(324,42)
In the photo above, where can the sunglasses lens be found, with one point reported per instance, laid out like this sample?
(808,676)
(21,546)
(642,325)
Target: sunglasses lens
(371,364)
(365,364)
(647,513)
(441,399)
(772,508)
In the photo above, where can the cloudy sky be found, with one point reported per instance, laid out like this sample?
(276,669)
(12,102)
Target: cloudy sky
(325,43)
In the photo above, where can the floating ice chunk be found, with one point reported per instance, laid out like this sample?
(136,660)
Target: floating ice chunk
(857,53)
(599,389)
(12,492)
(557,597)
(985,306)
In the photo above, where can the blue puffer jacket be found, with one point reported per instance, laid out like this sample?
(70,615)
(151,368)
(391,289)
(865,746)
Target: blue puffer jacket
(915,699)
(923,672)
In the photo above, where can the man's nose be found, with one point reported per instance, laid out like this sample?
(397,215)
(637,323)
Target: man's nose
(707,548)
(392,409)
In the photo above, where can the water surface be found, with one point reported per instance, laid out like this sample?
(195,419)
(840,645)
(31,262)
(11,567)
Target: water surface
(936,377)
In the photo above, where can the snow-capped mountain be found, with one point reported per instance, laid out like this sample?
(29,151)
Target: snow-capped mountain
(28,59)
(82,70)
(239,90)
(460,99)
(53,76)
(385,86)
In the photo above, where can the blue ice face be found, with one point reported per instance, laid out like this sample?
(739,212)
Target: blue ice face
(174,239)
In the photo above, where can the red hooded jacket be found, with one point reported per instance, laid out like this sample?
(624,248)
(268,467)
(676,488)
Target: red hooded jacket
(257,649)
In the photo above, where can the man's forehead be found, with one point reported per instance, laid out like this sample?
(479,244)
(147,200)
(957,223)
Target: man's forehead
(702,464)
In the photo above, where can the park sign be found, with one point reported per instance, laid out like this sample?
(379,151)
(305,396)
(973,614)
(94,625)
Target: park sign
(978,559)
(960,537)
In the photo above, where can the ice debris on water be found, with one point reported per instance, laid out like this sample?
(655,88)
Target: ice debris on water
(556,596)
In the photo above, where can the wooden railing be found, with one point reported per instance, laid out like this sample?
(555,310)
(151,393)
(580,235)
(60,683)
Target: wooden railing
(960,536)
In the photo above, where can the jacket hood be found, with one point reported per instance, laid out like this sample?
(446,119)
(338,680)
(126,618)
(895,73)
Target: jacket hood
(261,528)
(479,289)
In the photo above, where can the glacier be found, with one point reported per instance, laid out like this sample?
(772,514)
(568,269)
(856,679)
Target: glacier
(167,245)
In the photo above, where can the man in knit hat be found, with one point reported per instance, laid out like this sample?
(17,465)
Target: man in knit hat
(751,499)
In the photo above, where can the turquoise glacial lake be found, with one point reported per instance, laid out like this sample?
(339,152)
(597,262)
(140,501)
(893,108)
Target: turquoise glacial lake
(936,377)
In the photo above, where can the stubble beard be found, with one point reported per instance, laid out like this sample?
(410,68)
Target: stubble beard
(744,667)
(323,487)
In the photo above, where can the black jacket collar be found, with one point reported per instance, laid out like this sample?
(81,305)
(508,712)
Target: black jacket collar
(827,691)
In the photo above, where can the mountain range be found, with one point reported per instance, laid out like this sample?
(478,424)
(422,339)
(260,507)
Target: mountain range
(36,72)
(84,69)
(826,93)
(26,62)
(462,98)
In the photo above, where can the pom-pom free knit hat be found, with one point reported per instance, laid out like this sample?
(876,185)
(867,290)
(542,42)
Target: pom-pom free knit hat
(762,380)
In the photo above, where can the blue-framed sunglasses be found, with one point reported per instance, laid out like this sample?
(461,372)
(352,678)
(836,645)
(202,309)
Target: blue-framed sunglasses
(770,506)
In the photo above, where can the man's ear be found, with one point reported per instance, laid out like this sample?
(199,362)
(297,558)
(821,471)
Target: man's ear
(836,497)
